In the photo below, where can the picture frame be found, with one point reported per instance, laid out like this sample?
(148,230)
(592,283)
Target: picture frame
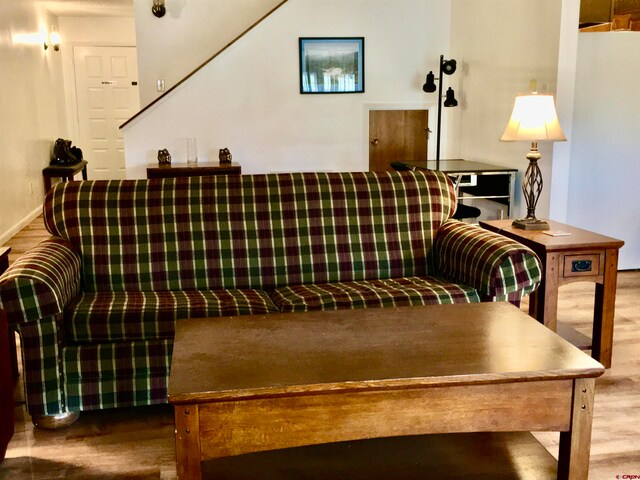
(330,65)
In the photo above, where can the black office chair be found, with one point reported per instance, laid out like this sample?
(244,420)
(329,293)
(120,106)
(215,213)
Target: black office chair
(466,211)
(402,167)
(462,211)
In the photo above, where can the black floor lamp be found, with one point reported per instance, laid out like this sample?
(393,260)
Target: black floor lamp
(447,67)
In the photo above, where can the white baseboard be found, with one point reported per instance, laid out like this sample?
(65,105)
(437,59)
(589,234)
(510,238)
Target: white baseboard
(6,236)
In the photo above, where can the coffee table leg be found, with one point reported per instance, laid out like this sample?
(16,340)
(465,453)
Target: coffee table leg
(575,445)
(188,457)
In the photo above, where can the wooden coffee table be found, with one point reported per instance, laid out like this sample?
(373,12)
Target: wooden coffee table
(257,383)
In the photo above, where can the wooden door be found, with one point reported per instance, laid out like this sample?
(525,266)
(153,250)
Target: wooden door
(397,136)
(107,89)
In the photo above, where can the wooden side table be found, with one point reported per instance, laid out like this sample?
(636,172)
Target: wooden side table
(65,172)
(582,256)
(173,170)
(4,264)
(8,369)
(4,258)
(6,388)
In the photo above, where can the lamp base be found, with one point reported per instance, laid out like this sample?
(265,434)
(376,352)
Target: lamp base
(530,224)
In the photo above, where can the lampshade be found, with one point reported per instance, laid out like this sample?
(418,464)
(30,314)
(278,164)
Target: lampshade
(430,84)
(533,119)
(451,99)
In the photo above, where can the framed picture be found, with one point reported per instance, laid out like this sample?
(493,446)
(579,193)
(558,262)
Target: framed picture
(332,65)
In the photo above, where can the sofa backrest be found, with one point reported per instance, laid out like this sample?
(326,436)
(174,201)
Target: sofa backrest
(250,231)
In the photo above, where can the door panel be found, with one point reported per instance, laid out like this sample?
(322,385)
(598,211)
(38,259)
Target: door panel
(107,89)
(397,136)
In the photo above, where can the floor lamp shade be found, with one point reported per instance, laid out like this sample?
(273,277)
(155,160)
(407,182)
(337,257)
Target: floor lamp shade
(534,119)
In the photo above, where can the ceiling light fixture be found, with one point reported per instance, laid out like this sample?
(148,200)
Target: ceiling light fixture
(52,39)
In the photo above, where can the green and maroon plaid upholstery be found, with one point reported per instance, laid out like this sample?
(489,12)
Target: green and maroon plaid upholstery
(122,374)
(493,264)
(394,292)
(41,344)
(250,231)
(41,282)
(97,304)
(127,316)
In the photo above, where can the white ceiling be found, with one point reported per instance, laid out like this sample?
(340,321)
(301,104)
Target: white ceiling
(74,8)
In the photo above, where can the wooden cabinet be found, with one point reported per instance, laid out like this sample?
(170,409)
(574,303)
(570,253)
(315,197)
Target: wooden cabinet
(395,136)
(609,15)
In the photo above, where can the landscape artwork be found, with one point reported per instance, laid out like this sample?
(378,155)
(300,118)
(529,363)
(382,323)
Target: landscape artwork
(332,65)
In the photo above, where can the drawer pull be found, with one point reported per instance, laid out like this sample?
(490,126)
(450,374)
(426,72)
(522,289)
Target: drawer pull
(581,266)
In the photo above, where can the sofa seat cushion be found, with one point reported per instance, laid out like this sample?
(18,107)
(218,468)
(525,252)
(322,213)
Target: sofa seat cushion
(392,292)
(125,316)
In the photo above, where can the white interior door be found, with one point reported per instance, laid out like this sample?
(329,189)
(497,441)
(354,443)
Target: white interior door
(107,92)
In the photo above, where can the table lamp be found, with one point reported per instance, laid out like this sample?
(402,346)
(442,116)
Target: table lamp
(534,120)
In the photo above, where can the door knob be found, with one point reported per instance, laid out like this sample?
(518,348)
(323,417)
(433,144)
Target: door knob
(375,141)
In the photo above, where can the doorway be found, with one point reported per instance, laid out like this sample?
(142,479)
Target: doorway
(107,91)
(397,136)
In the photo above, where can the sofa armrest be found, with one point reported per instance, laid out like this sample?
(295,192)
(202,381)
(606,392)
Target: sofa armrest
(498,267)
(41,282)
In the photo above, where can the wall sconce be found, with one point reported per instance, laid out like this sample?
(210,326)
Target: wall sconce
(53,40)
(447,67)
(158,8)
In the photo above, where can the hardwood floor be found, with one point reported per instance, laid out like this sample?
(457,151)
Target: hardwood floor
(27,238)
(138,443)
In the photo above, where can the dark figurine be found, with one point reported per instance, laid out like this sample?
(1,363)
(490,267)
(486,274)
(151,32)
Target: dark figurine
(224,156)
(164,157)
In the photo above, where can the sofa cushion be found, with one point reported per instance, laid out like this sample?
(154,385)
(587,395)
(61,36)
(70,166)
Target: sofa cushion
(371,293)
(251,231)
(125,316)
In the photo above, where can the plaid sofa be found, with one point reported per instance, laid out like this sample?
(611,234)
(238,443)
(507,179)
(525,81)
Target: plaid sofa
(96,304)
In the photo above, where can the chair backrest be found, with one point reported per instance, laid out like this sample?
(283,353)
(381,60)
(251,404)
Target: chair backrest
(250,231)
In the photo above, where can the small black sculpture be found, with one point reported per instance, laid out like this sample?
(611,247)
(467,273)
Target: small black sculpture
(164,157)
(224,156)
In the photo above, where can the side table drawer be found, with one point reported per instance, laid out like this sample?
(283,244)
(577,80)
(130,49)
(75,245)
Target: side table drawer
(583,265)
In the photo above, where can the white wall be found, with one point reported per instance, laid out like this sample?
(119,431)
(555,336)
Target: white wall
(567,59)
(94,31)
(32,111)
(248,99)
(171,47)
(605,159)
(500,46)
